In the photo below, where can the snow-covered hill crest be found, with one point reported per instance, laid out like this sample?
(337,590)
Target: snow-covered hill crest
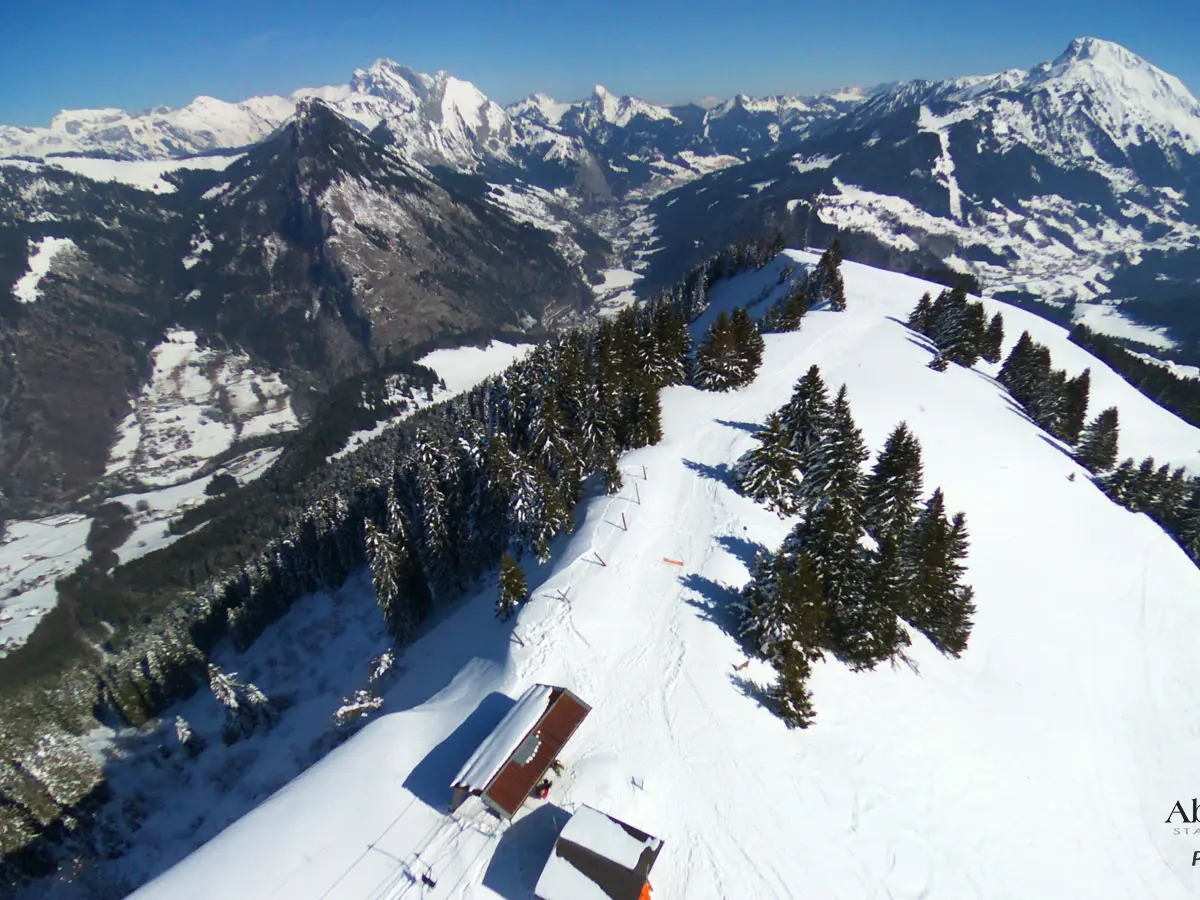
(977,777)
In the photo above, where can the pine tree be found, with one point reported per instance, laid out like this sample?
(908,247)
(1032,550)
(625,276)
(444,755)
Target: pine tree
(802,604)
(717,363)
(830,286)
(886,600)
(993,340)
(769,472)
(191,742)
(921,318)
(1119,482)
(1170,508)
(1015,373)
(894,486)
(1189,522)
(388,562)
(833,495)
(833,468)
(937,603)
(613,479)
(513,587)
(806,415)
(1074,407)
(790,693)
(1144,487)
(749,343)
(957,327)
(647,417)
(1097,447)
(788,313)
(760,626)
(949,616)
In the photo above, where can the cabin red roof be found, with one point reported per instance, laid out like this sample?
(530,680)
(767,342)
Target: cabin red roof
(515,756)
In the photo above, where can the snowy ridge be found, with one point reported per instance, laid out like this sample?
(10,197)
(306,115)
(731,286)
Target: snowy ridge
(946,779)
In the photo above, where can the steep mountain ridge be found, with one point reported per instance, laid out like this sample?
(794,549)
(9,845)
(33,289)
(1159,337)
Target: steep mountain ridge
(1045,184)
(320,253)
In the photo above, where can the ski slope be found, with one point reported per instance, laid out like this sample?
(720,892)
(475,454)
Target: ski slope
(1042,764)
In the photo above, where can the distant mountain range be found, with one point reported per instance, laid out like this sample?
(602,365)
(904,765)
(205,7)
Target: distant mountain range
(342,227)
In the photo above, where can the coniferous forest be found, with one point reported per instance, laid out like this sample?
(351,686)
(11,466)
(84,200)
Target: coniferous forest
(867,552)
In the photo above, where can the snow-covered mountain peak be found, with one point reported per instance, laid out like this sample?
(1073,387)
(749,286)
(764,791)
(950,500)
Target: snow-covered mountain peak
(620,111)
(541,108)
(1128,97)
(391,81)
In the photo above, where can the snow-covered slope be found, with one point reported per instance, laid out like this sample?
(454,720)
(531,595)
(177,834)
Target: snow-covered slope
(1043,763)
(196,403)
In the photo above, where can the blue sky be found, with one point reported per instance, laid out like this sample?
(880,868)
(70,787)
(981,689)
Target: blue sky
(140,53)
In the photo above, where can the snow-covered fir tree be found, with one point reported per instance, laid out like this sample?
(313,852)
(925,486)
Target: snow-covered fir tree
(763,623)
(993,340)
(831,287)
(894,486)
(769,473)
(937,603)
(920,319)
(1074,407)
(514,588)
(357,708)
(1117,483)
(1098,443)
(806,415)
(833,467)
(790,693)
(191,743)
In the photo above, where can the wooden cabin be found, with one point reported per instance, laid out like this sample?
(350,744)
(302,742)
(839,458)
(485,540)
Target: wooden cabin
(599,856)
(510,762)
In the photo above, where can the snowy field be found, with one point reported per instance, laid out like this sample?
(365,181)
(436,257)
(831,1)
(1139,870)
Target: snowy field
(41,256)
(144,174)
(460,368)
(464,367)
(34,554)
(197,402)
(1042,764)
(1107,319)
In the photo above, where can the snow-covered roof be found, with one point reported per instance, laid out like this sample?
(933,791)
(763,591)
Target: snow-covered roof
(604,836)
(598,833)
(494,752)
(562,881)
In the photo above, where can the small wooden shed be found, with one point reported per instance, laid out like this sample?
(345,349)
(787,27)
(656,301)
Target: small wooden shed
(599,856)
(506,767)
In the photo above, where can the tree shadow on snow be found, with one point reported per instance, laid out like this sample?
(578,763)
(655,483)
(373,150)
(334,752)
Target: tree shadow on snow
(745,550)
(748,687)
(716,602)
(430,779)
(720,473)
(748,427)
(522,852)
(1059,446)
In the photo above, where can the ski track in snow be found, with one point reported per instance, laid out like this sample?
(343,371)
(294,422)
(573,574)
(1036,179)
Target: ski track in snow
(1041,764)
